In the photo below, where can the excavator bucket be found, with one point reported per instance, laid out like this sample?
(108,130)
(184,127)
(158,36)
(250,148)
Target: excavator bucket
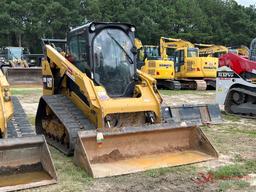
(25,163)
(139,149)
(24,76)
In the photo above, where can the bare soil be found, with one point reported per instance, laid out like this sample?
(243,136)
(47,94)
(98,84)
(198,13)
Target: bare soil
(234,139)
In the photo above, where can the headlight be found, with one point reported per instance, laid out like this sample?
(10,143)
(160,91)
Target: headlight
(92,27)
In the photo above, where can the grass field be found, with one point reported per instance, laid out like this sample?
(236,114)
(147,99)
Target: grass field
(235,169)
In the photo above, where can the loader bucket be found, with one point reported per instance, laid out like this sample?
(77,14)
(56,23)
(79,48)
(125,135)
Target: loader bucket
(25,163)
(24,76)
(140,149)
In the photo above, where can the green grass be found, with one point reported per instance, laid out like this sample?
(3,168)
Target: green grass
(232,184)
(238,129)
(70,177)
(31,119)
(228,117)
(182,92)
(25,91)
(235,170)
(231,176)
(250,133)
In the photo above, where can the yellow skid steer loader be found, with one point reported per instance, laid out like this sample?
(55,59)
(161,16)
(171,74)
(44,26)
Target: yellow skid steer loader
(97,106)
(25,160)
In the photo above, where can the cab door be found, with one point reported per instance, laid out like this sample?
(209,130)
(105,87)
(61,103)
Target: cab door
(179,61)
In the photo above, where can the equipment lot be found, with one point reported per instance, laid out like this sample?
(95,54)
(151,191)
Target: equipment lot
(235,170)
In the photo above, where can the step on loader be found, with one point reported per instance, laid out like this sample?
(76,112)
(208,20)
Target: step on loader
(98,107)
(25,160)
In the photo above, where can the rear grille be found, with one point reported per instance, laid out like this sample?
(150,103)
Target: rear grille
(151,64)
(151,71)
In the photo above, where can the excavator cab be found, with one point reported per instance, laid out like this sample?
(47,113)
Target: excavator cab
(149,61)
(97,106)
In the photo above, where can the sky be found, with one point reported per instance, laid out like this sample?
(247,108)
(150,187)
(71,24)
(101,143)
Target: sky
(246,2)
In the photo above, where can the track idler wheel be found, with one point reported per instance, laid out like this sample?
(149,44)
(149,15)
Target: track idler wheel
(238,97)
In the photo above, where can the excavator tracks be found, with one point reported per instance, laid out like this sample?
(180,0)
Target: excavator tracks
(244,107)
(68,115)
(169,84)
(19,126)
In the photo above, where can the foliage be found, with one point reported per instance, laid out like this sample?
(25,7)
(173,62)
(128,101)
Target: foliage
(210,21)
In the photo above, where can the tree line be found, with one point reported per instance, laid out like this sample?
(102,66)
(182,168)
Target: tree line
(24,23)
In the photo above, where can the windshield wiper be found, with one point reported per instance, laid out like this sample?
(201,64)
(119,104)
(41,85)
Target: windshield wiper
(127,55)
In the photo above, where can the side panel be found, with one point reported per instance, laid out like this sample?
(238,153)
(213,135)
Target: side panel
(6,107)
(226,78)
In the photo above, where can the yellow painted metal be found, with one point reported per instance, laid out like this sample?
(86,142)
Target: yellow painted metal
(211,50)
(194,66)
(6,107)
(99,106)
(243,50)
(125,149)
(159,69)
(171,43)
(25,162)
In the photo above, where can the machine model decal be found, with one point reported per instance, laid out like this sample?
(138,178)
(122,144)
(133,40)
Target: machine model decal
(227,74)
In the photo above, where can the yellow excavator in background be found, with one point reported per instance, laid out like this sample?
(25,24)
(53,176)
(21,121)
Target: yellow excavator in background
(243,51)
(191,70)
(25,160)
(211,50)
(150,62)
(99,107)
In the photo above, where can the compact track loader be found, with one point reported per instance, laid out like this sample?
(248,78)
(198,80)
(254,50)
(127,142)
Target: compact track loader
(25,160)
(19,67)
(99,107)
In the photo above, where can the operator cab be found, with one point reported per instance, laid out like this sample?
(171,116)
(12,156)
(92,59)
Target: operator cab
(152,52)
(106,53)
(192,52)
(12,53)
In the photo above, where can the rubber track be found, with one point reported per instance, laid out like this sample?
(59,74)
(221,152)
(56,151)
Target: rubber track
(169,84)
(19,125)
(70,116)
(229,104)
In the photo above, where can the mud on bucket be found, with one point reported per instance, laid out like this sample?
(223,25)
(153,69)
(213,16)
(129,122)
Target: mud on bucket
(141,149)
(25,163)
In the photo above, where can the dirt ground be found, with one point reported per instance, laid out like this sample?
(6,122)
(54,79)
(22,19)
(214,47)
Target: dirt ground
(235,141)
